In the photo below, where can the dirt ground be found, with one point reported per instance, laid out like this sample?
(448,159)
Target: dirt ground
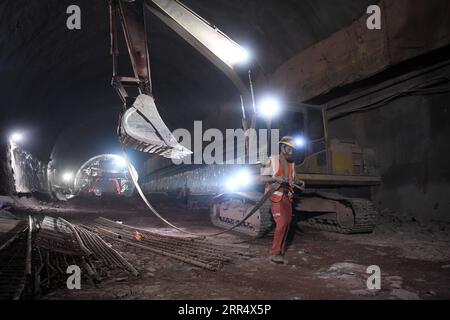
(414,260)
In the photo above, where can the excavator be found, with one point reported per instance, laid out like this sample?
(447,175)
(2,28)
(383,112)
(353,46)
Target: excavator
(339,174)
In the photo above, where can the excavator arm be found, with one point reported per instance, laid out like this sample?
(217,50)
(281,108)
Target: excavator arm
(140,125)
(130,17)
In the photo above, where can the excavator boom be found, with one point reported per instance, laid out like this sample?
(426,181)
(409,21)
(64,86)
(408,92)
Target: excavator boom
(207,39)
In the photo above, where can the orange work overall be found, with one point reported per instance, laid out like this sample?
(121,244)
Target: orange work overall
(281,206)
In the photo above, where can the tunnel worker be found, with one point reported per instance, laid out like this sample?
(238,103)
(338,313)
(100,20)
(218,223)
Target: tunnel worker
(281,168)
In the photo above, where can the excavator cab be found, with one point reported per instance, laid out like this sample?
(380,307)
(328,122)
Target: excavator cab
(302,122)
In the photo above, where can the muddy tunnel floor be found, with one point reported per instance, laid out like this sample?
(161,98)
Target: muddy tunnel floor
(414,260)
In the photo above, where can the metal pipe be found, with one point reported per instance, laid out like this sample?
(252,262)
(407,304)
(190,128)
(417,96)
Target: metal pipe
(159,248)
(101,253)
(77,237)
(325,133)
(189,242)
(178,244)
(251,90)
(187,260)
(243,108)
(29,246)
(106,251)
(113,34)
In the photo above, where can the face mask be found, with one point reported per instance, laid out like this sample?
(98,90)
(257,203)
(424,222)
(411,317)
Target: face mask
(289,155)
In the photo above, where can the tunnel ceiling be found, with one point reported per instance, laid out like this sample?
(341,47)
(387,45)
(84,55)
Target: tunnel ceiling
(53,78)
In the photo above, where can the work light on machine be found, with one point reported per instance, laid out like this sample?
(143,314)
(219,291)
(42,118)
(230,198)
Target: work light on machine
(119,161)
(234,55)
(269,107)
(239,180)
(299,142)
(226,49)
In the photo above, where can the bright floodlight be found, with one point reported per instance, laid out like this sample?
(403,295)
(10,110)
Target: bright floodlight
(232,184)
(120,161)
(242,56)
(235,55)
(244,178)
(269,107)
(241,179)
(16,137)
(228,51)
(299,142)
(67,176)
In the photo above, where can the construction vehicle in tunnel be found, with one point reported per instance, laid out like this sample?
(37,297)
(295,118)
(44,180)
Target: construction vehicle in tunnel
(334,171)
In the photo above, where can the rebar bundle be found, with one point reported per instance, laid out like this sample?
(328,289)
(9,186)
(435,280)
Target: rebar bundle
(13,267)
(192,251)
(58,244)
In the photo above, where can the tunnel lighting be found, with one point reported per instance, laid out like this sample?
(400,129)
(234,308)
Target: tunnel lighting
(67,176)
(120,162)
(241,56)
(234,55)
(232,184)
(244,177)
(269,107)
(16,137)
(299,142)
(241,179)
(228,51)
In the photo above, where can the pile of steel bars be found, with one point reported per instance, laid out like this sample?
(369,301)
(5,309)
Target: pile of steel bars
(195,252)
(35,255)
(13,258)
(55,235)
(59,243)
(102,251)
(10,229)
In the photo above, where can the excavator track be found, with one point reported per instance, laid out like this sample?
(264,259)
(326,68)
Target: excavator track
(364,216)
(226,212)
(259,225)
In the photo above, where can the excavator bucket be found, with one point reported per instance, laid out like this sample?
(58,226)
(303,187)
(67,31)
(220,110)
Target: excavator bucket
(142,128)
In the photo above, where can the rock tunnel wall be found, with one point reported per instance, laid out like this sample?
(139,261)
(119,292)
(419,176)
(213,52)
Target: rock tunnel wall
(6,178)
(22,172)
(408,29)
(410,136)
